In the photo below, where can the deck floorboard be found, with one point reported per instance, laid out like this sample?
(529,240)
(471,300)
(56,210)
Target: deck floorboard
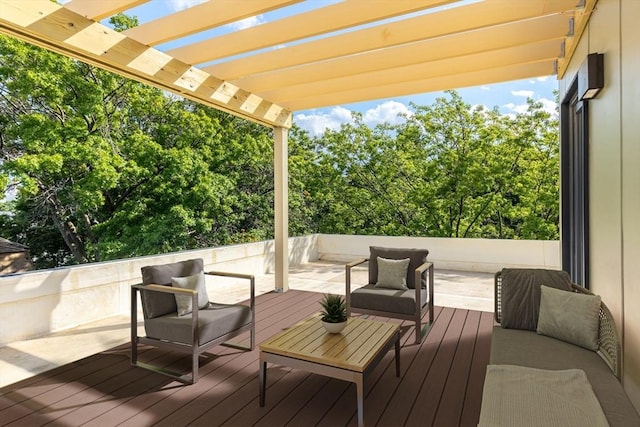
(440,382)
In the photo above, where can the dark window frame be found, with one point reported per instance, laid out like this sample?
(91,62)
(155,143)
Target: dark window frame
(574,177)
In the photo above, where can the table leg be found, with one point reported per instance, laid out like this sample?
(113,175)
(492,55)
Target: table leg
(398,354)
(263,381)
(360,397)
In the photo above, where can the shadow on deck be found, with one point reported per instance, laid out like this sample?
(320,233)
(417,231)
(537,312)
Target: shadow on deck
(441,382)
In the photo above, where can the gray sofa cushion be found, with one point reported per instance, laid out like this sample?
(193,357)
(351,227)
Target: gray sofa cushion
(156,304)
(570,317)
(521,294)
(213,322)
(526,348)
(417,257)
(390,300)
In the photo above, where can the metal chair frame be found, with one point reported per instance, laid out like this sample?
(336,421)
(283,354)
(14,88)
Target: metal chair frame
(193,348)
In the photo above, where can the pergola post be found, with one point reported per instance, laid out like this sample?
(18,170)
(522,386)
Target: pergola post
(281,210)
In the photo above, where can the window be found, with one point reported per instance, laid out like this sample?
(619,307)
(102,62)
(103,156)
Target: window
(574,186)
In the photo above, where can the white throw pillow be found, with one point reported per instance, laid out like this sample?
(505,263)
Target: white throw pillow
(569,316)
(392,273)
(195,282)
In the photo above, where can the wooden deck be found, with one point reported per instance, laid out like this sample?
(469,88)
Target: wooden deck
(440,384)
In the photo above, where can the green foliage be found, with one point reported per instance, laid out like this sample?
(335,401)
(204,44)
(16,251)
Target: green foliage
(334,308)
(100,167)
(449,171)
(120,169)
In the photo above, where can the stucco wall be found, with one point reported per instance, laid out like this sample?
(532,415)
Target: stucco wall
(614,172)
(40,302)
(482,255)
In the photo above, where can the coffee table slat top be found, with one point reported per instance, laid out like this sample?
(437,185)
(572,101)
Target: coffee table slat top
(353,349)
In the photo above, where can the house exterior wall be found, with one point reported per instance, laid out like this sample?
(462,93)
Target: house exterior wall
(614,172)
(15,262)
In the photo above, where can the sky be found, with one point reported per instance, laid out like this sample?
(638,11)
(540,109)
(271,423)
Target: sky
(509,97)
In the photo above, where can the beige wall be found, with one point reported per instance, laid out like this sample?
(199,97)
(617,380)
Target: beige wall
(614,177)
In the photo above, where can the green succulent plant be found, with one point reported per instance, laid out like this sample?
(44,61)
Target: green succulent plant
(334,308)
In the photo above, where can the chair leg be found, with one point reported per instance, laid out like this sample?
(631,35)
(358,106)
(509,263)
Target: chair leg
(134,352)
(194,368)
(418,332)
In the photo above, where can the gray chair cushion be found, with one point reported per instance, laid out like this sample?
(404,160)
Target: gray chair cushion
(213,322)
(392,273)
(390,300)
(156,304)
(526,348)
(521,294)
(417,257)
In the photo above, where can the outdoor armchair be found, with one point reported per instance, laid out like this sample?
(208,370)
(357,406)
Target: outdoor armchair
(400,286)
(179,317)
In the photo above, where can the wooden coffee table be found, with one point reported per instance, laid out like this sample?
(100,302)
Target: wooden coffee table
(348,356)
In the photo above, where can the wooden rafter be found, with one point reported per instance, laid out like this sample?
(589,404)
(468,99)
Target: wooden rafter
(552,27)
(546,50)
(580,23)
(492,75)
(201,17)
(98,10)
(319,21)
(444,23)
(57,28)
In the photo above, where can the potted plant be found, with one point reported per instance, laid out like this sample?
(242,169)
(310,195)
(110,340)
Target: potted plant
(334,313)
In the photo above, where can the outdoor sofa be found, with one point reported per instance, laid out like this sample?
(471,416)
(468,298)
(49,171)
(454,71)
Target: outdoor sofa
(534,372)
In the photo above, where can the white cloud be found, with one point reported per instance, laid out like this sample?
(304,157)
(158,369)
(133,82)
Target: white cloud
(485,87)
(316,124)
(252,21)
(388,112)
(520,108)
(549,105)
(542,79)
(525,93)
(184,4)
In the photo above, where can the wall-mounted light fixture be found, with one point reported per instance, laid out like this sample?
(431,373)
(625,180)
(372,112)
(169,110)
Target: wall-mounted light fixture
(591,76)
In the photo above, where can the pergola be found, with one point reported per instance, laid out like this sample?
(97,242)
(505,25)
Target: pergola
(338,53)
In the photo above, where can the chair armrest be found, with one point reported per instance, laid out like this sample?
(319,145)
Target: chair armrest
(252,286)
(418,281)
(422,268)
(356,262)
(348,268)
(166,289)
(231,274)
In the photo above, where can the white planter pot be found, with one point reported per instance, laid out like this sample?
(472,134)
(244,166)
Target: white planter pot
(334,328)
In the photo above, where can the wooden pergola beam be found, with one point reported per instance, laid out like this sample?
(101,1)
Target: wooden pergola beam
(199,18)
(422,53)
(442,25)
(546,50)
(482,77)
(571,43)
(98,10)
(335,17)
(61,30)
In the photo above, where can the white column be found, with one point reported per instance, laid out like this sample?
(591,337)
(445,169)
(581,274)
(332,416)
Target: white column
(281,210)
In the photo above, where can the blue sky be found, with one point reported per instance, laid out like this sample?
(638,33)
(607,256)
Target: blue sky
(509,97)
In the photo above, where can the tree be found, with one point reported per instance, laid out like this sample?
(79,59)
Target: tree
(120,169)
(449,171)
